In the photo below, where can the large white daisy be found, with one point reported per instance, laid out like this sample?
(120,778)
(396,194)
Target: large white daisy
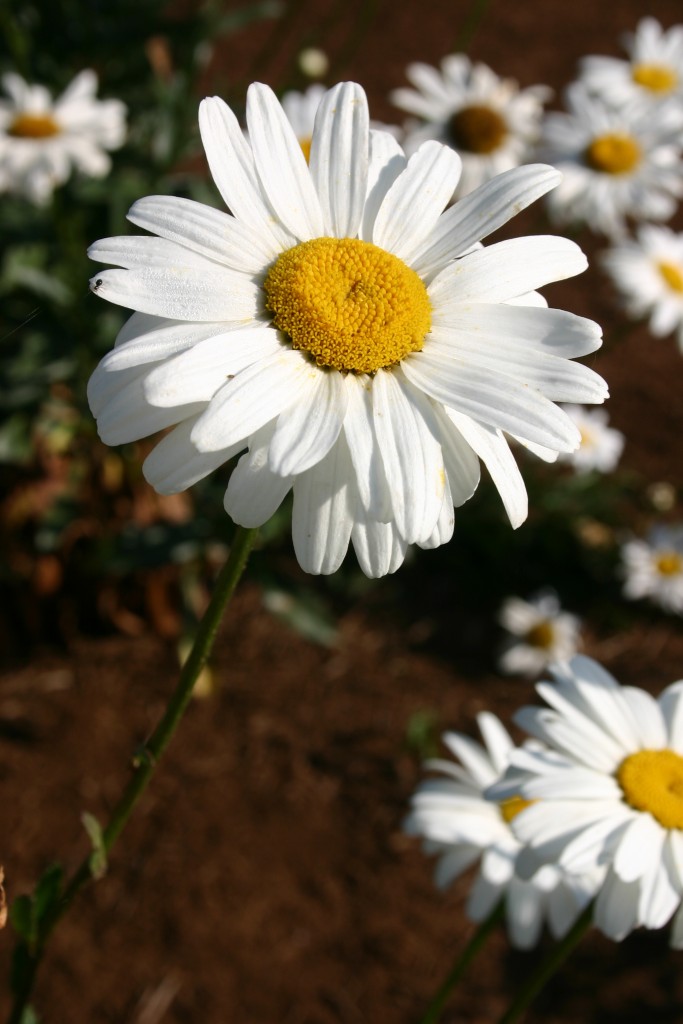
(42,139)
(608,792)
(654,70)
(616,163)
(490,121)
(344,329)
(654,567)
(648,274)
(461,827)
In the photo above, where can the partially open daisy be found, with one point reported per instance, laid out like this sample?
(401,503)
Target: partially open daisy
(344,330)
(461,827)
(608,792)
(648,274)
(601,445)
(654,70)
(42,139)
(541,632)
(654,567)
(489,121)
(616,163)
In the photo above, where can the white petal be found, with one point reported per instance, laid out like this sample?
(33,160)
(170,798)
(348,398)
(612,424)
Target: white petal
(494,451)
(445,524)
(379,547)
(659,897)
(128,417)
(175,464)
(149,339)
(671,704)
(133,251)
(648,714)
(281,165)
(460,460)
(321,517)
(364,448)
(387,161)
(306,431)
(254,492)
(339,158)
(640,846)
(415,201)
(524,913)
(483,897)
(616,908)
(473,756)
(407,435)
(254,397)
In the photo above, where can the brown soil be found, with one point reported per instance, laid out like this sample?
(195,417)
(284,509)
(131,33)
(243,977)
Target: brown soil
(265,877)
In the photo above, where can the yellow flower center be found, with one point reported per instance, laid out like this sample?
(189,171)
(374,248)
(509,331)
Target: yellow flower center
(33,126)
(655,77)
(613,154)
(672,274)
(669,563)
(306,148)
(541,635)
(349,304)
(477,129)
(652,780)
(513,806)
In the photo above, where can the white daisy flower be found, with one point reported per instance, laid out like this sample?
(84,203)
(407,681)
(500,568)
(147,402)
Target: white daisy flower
(543,633)
(654,70)
(654,567)
(608,792)
(648,274)
(461,827)
(344,330)
(42,139)
(301,108)
(615,163)
(490,121)
(601,445)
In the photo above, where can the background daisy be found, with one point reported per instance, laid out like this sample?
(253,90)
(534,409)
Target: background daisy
(542,633)
(601,445)
(489,121)
(654,70)
(654,567)
(42,140)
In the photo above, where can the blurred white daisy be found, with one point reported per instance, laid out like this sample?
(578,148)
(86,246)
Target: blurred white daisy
(654,567)
(541,633)
(601,445)
(654,70)
(461,827)
(615,163)
(490,121)
(648,274)
(344,330)
(42,140)
(608,792)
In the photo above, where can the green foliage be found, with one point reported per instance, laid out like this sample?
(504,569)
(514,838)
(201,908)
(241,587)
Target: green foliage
(98,857)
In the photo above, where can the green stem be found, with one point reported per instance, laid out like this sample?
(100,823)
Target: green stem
(482,933)
(547,968)
(147,759)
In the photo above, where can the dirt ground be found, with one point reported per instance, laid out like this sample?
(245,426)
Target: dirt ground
(265,877)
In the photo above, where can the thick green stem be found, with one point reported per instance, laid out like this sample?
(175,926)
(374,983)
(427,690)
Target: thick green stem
(547,968)
(482,933)
(147,759)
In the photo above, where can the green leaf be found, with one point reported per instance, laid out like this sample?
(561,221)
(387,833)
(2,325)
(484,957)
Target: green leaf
(98,857)
(47,892)
(22,918)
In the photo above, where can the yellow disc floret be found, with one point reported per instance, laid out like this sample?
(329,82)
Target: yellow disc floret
(477,129)
(33,126)
(305,144)
(541,635)
(669,563)
(652,780)
(613,154)
(349,304)
(672,274)
(513,806)
(655,77)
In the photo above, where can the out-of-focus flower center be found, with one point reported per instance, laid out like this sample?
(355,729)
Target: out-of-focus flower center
(672,274)
(652,780)
(351,305)
(541,635)
(477,129)
(655,77)
(669,563)
(613,154)
(305,144)
(33,126)
(513,806)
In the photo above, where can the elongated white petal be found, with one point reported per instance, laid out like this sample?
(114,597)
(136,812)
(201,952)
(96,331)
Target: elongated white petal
(379,547)
(306,431)
(254,492)
(616,908)
(128,417)
(416,199)
(281,165)
(505,270)
(254,397)
(494,452)
(364,449)
(444,525)
(148,339)
(196,375)
(480,213)
(339,158)
(321,517)
(536,330)
(460,459)
(133,251)
(209,232)
(407,434)
(175,464)
(387,161)
(671,704)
